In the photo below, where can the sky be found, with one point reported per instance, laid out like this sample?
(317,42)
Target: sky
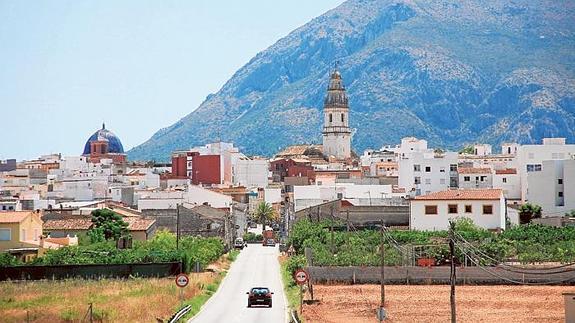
(67,66)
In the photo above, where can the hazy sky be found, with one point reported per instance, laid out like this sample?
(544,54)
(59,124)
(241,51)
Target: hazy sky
(67,66)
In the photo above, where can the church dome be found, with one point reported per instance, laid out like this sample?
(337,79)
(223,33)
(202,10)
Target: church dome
(114,143)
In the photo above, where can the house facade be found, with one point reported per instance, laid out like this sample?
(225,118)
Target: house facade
(432,212)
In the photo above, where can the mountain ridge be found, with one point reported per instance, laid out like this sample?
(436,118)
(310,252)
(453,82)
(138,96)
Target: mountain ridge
(484,70)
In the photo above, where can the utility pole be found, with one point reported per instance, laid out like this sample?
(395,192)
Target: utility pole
(452,276)
(177,226)
(382,250)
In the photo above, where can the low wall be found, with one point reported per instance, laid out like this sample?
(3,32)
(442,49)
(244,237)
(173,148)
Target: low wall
(432,275)
(90,271)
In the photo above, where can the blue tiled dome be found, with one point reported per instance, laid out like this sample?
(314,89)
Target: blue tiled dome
(114,144)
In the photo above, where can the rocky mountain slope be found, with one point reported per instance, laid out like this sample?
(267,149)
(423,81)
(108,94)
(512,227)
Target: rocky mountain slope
(452,72)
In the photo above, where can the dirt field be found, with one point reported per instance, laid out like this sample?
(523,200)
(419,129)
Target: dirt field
(358,303)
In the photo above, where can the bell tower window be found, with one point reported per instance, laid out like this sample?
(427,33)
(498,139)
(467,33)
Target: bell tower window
(330,118)
(342,118)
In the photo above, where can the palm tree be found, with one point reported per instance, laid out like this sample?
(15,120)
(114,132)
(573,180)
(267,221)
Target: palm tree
(264,213)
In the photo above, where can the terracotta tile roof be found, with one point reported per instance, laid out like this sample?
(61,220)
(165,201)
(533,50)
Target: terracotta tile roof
(14,217)
(468,194)
(69,223)
(507,171)
(139,224)
(473,170)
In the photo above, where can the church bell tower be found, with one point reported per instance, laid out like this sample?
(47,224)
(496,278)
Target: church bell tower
(336,131)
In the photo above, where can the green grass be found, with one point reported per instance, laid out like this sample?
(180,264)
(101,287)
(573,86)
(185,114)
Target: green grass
(291,288)
(232,255)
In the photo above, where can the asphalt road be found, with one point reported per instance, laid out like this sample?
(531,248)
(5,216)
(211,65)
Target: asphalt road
(256,266)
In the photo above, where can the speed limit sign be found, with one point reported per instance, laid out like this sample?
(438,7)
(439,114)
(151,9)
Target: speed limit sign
(301,276)
(182,280)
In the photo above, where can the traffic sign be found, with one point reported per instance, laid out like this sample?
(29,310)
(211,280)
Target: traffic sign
(182,280)
(301,276)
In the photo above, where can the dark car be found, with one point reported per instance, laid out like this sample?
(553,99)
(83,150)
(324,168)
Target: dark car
(260,296)
(269,243)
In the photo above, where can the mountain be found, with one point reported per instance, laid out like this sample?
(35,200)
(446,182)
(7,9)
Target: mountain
(452,72)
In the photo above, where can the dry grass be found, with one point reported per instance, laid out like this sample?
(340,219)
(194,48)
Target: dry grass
(347,304)
(115,300)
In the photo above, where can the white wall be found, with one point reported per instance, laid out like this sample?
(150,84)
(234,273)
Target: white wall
(438,179)
(544,187)
(272,195)
(420,221)
(310,195)
(536,154)
(511,187)
(199,195)
(251,172)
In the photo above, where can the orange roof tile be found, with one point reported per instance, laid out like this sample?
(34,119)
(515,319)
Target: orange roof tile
(14,217)
(138,224)
(473,170)
(70,223)
(507,171)
(464,194)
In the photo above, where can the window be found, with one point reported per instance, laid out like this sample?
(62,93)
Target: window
(431,209)
(428,169)
(560,181)
(5,235)
(442,169)
(453,167)
(468,209)
(452,208)
(428,181)
(466,178)
(487,209)
(533,167)
(342,118)
(560,194)
(330,118)
(417,180)
(483,178)
(417,168)
(504,180)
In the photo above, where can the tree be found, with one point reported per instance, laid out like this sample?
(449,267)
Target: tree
(264,213)
(467,150)
(529,211)
(570,214)
(107,224)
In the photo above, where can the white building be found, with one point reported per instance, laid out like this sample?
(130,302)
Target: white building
(432,212)
(427,172)
(310,195)
(250,172)
(194,195)
(471,177)
(336,131)
(553,187)
(482,149)
(509,181)
(530,159)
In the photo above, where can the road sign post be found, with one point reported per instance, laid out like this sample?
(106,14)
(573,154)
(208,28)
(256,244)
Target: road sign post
(301,277)
(182,280)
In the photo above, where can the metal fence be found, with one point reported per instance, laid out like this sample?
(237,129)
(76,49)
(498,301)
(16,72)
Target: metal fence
(434,275)
(90,271)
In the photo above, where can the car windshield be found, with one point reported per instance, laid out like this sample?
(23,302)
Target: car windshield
(260,291)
